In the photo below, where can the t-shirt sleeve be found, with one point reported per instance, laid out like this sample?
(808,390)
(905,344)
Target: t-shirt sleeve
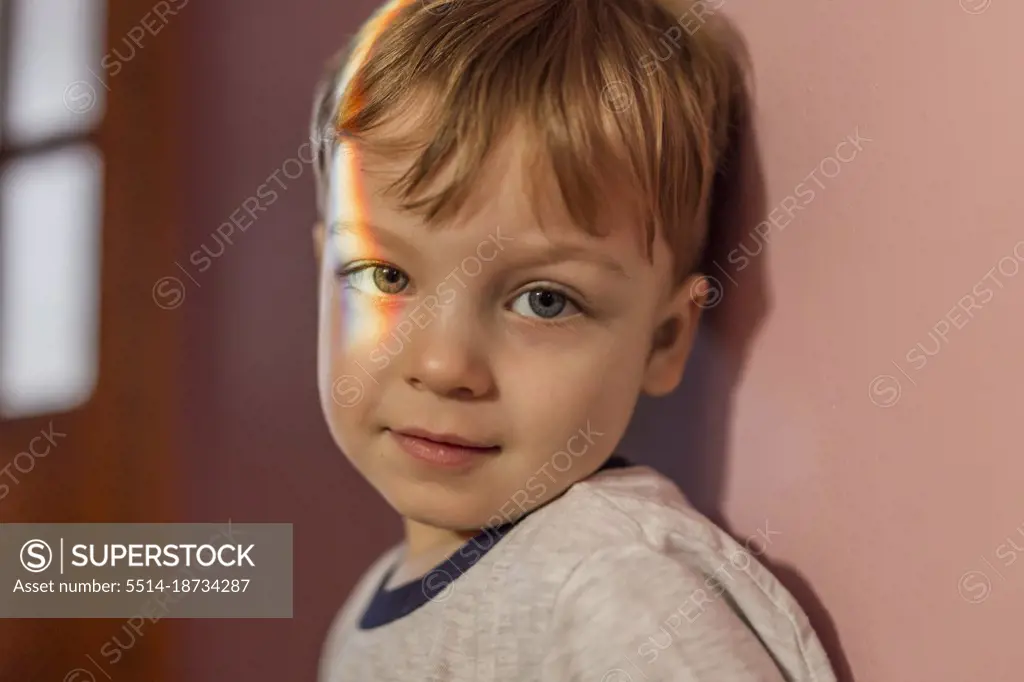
(633,614)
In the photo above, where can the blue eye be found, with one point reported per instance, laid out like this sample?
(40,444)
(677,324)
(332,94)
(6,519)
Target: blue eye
(383,278)
(545,304)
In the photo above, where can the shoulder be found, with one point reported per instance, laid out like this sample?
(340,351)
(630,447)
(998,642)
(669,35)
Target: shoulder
(657,587)
(614,534)
(634,504)
(345,619)
(629,609)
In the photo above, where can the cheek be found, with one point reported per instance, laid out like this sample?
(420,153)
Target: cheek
(351,328)
(345,340)
(592,385)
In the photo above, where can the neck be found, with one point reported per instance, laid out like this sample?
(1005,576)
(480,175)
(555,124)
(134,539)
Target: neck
(429,543)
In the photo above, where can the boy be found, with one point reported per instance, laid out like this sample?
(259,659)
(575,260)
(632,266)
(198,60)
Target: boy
(507,257)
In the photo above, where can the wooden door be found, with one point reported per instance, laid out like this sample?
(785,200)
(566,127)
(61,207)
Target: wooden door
(88,354)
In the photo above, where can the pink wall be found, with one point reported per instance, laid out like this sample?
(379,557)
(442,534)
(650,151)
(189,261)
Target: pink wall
(891,472)
(875,512)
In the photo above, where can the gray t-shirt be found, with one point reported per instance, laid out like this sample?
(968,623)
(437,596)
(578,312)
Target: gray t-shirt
(617,580)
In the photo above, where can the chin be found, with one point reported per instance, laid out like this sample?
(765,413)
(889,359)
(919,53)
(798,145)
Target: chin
(428,506)
(453,523)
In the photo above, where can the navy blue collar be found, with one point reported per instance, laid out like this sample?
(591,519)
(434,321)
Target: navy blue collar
(387,606)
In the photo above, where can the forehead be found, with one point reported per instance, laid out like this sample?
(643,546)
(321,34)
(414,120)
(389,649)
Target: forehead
(516,190)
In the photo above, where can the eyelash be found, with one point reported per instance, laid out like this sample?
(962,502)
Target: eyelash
(548,322)
(344,275)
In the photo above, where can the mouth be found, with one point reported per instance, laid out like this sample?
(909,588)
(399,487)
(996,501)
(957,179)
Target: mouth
(443,449)
(450,439)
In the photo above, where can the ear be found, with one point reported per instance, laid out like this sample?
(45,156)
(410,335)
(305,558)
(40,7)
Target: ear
(673,338)
(318,241)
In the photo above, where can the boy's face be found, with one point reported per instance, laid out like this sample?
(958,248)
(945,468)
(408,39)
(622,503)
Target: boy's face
(535,341)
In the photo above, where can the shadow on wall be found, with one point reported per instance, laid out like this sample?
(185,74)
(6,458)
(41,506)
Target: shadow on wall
(685,435)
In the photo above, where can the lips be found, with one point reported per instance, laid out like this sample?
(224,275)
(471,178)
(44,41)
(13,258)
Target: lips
(449,451)
(449,439)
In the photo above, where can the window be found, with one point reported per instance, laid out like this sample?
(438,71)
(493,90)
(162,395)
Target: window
(51,189)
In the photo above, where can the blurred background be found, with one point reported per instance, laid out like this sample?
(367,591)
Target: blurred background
(853,401)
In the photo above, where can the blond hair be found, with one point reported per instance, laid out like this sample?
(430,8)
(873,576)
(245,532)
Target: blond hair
(621,94)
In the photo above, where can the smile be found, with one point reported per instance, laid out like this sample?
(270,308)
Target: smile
(447,450)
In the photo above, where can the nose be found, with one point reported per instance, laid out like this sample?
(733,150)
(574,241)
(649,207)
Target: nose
(448,358)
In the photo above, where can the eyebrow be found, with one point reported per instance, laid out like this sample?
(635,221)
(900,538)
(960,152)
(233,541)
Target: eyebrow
(369,230)
(557,253)
(548,254)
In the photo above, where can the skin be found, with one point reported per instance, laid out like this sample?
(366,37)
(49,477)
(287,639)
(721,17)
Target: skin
(485,362)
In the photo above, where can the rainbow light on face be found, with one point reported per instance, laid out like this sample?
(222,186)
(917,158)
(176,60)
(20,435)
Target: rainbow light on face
(366,320)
